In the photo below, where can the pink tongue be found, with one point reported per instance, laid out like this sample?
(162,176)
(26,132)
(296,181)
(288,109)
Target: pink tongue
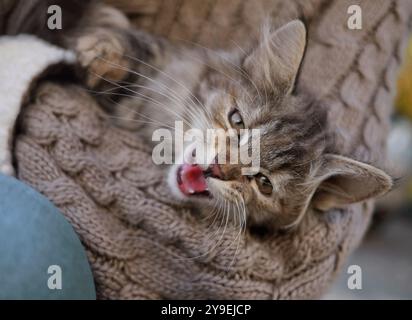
(192,179)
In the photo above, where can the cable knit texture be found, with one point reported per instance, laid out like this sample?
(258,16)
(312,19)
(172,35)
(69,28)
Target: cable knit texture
(140,242)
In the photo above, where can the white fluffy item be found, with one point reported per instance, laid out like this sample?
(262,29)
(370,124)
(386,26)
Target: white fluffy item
(23,58)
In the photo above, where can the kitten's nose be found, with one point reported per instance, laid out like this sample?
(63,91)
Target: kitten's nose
(213,171)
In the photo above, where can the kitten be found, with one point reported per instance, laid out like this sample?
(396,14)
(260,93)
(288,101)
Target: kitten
(153,83)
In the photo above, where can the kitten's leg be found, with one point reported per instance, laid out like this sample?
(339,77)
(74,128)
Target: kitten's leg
(98,43)
(117,61)
(124,75)
(111,55)
(109,49)
(102,55)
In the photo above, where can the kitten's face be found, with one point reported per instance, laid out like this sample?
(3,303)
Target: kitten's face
(254,92)
(292,138)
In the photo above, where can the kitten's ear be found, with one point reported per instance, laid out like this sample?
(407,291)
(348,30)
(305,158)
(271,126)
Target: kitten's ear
(345,181)
(276,61)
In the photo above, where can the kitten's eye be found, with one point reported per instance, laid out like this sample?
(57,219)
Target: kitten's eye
(264,185)
(236,120)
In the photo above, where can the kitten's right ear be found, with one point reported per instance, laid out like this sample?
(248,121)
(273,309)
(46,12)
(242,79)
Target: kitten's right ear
(276,61)
(345,181)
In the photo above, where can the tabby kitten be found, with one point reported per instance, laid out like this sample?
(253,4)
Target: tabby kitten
(153,84)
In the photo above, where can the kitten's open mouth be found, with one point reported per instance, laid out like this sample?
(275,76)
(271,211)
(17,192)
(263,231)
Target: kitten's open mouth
(192,179)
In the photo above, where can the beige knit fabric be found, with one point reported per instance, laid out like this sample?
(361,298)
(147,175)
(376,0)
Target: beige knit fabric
(140,243)
(103,181)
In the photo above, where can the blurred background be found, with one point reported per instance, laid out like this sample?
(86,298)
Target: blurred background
(385,255)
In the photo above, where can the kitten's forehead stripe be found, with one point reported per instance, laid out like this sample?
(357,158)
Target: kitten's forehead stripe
(293,139)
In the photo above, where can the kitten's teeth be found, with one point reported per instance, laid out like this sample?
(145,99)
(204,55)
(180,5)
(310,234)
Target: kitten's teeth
(191,191)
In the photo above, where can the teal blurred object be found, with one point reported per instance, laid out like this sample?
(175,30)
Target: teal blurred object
(34,236)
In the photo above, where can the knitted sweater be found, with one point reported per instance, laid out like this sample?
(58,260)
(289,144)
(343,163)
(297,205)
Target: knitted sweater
(141,243)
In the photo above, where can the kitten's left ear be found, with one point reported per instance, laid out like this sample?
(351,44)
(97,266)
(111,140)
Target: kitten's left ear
(345,181)
(276,61)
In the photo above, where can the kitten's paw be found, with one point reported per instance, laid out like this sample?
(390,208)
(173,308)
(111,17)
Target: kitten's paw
(101,54)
